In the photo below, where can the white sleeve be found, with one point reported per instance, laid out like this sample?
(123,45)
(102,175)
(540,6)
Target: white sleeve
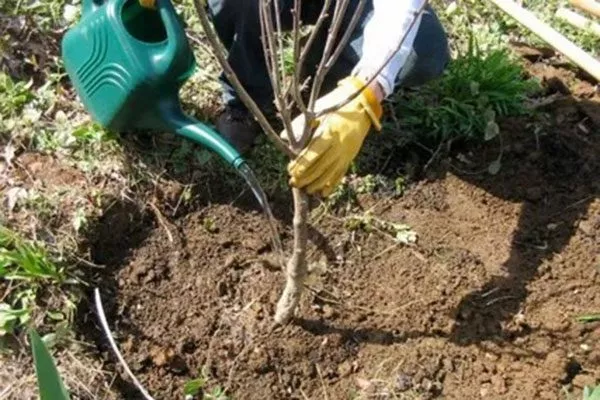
(382,34)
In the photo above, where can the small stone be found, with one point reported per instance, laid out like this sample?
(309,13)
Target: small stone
(587,228)
(231,261)
(254,244)
(364,384)
(160,357)
(426,384)
(448,365)
(485,390)
(555,363)
(585,347)
(499,384)
(150,276)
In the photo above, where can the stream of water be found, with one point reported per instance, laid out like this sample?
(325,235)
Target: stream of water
(260,195)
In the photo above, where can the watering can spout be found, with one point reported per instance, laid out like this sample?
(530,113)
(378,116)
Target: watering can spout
(172,118)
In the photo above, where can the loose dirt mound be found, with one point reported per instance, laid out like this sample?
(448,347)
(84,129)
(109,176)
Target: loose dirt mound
(483,306)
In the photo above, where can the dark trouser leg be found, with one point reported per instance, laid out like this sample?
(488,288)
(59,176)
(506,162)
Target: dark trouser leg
(238,24)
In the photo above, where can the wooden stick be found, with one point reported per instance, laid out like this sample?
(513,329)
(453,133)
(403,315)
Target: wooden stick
(591,6)
(578,20)
(551,36)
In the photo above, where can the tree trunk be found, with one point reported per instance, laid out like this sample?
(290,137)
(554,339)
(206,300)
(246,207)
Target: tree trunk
(296,267)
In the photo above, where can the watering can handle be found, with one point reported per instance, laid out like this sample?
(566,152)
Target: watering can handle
(177,40)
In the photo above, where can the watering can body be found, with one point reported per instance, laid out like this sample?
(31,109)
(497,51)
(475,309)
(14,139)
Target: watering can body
(127,64)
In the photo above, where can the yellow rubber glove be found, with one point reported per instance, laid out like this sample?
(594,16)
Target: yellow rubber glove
(338,138)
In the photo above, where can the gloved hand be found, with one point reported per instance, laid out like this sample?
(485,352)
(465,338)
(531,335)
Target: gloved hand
(338,137)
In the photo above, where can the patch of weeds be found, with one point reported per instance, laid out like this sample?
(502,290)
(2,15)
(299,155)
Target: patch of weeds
(400,233)
(465,103)
(210,225)
(199,388)
(25,266)
(24,260)
(13,95)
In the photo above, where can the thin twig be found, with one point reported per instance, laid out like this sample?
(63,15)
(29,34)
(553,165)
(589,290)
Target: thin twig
(161,221)
(297,25)
(322,382)
(338,16)
(346,37)
(271,51)
(220,51)
(378,71)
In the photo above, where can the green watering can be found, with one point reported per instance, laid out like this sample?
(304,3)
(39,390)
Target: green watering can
(128,63)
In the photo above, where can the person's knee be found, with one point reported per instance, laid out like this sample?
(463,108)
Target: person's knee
(431,53)
(437,61)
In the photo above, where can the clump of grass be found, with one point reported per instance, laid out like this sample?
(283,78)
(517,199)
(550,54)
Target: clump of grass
(24,266)
(465,102)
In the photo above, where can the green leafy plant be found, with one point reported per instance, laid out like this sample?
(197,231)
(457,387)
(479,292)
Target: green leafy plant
(591,393)
(50,384)
(23,260)
(476,88)
(14,95)
(28,263)
(198,387)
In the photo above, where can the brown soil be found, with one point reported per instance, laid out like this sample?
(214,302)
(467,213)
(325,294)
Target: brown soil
(483,306)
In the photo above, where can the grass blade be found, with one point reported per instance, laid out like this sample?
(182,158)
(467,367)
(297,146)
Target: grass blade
(589,318)
(49,382)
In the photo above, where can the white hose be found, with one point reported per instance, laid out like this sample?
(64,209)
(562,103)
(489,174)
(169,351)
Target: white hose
(113,345)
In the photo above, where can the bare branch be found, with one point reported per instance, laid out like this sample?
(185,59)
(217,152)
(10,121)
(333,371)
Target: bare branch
(220,52)
(327,62)
(322,16)
(386,62)
(344,41)
(296,88)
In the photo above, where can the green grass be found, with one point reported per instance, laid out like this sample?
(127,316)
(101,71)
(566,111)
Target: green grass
(25,266)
